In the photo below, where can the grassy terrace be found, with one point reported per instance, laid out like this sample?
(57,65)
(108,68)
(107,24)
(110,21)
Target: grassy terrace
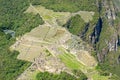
(74,64)
(71,61)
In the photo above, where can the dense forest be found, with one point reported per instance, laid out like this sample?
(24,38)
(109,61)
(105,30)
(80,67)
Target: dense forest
(13,18)
(75,25)
(61,76)
(67,5)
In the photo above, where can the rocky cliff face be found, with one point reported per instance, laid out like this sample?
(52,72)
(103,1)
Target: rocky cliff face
(96,33)
(111,40)
(108,35)
(105,34)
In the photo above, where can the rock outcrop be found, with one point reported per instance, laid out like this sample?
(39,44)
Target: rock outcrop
(96,33)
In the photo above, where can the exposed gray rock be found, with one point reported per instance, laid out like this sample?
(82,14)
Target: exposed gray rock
(119,59)
(96,33)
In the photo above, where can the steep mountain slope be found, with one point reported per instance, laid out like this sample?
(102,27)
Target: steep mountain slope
(57,36)
(104,35)
(54,48)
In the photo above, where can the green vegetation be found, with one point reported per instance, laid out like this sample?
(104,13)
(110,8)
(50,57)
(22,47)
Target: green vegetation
(91,26)
(75,25)
(106,34)
(78,68)
(67,5)
(10,67)
(31,21)
(12,17)
(110,65)
(48,53)
(110,62)
(70,60)
(61,76)
(80,74)
(50,76)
